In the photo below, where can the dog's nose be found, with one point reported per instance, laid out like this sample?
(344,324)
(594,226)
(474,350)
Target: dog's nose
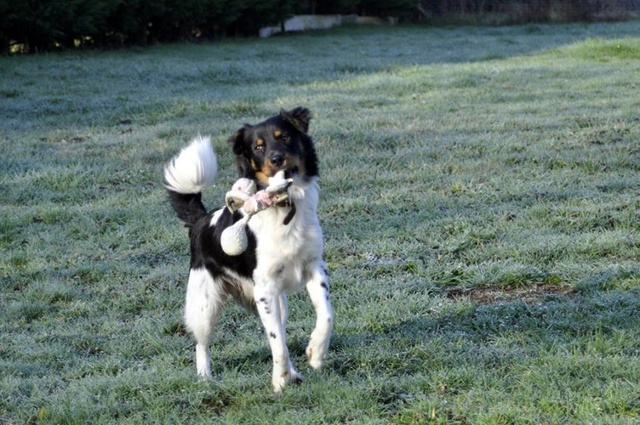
(277,159)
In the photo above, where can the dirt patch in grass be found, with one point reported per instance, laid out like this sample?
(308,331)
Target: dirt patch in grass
(495,294)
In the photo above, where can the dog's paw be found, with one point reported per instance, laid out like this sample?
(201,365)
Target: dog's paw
(289,377)
(204,374)
(317,350)
(315,356)
(203,361)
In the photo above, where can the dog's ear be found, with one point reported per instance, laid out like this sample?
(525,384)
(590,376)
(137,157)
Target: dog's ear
(237,141)
(241,150)
(298,117)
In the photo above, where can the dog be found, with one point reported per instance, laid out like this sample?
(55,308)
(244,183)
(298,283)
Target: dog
(285,242)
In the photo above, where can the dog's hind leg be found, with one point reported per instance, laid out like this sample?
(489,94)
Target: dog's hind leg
(318,289)
(270,304)
(202,308)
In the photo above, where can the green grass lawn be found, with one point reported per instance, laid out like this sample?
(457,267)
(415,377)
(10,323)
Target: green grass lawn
(480,207)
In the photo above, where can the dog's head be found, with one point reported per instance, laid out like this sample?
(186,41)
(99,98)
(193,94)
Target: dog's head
(278,143)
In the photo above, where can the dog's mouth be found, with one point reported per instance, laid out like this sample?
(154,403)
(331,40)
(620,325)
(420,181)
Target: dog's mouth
(291,173)
(290,169)
(263,175)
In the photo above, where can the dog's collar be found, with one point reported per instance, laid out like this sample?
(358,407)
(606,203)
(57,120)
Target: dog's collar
(291,213)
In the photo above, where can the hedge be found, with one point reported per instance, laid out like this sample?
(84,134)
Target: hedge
(41,25)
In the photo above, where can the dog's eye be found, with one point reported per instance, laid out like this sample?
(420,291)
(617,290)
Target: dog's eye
(285,138)
(259,148)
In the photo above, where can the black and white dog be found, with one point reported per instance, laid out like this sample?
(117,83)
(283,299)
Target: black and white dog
(285,241)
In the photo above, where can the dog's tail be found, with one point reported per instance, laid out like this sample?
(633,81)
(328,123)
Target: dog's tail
(186,175)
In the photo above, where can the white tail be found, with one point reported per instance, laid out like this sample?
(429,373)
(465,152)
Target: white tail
(193,169)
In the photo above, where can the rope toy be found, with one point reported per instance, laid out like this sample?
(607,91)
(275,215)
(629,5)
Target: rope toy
(243,194)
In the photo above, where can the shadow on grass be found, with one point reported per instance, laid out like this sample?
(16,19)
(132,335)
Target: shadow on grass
(494,329)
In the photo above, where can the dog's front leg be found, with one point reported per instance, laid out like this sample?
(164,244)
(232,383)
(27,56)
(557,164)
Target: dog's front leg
(284,316)
(270,303)
(318,289)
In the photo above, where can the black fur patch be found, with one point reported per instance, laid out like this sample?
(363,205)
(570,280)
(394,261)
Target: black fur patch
(279,142)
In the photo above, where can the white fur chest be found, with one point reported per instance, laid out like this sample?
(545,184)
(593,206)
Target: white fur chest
(285,249)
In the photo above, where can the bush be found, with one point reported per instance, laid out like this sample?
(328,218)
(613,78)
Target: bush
(47,24)
(53,24)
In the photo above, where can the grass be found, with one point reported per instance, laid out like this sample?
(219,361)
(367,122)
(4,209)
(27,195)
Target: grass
(480,206)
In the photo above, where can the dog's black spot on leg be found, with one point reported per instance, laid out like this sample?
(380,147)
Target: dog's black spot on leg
(265,302)
(272,335)
(325,286)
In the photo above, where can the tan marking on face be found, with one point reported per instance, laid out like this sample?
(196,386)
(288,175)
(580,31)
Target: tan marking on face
(259,142)
(268,170)
(277,133)
(262,178)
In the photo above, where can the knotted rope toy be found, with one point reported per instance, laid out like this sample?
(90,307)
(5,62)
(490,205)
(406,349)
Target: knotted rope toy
(243,195)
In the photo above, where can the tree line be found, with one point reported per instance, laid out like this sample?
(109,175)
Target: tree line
(43,25)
